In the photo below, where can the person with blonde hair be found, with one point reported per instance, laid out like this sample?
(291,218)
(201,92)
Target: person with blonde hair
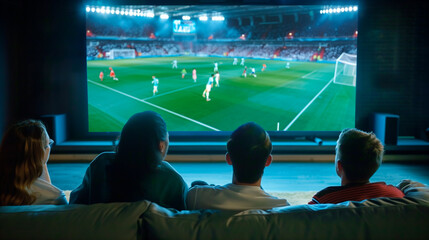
(24,175)
(358,157)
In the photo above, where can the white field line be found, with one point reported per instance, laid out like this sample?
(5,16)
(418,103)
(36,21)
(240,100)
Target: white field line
(305,108)
(308,74)
(177,90)
(153,105)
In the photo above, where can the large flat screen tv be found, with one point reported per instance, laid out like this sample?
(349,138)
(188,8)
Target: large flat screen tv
(285,67)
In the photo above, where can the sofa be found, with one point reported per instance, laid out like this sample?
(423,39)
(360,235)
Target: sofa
(381,218)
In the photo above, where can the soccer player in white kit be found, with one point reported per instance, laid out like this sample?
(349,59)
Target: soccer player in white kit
(215,67)
(155,84)
(234,62)
(209,86)
(174,63)
(242,62)
(253,72)
(216,77)
(194,75)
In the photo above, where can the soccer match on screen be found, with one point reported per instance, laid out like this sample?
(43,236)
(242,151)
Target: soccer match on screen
(212,68)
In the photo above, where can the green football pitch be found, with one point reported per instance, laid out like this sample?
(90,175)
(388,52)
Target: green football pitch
(300,98)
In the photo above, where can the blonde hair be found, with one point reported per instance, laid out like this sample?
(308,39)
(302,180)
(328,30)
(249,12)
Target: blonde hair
(21,161)
(360,153)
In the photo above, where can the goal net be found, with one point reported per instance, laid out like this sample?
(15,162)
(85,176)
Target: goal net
(121,53)
(345,70)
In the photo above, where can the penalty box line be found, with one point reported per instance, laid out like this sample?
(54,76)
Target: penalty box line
(305,108)
(155,106)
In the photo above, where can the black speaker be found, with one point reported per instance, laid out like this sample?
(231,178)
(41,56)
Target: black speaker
(386,127)
(55,126)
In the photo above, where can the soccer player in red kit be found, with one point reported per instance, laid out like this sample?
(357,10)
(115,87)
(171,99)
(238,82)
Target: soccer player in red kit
(101,76)
(112,74)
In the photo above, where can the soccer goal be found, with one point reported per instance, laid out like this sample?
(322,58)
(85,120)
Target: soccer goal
(345,70)
(121,53)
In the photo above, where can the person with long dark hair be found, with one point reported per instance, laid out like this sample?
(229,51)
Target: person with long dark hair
(137,170)
(24,175)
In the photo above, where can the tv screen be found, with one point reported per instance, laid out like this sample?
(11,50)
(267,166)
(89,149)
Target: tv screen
(215,67)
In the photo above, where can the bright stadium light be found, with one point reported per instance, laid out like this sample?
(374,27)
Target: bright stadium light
(321,11)
(88,9)
(350,9)
(126,13)
(203,18)
(103,11)
(218,18)
(355,8)
(117,11)
(186,17)
(334,10)
(150,14)
(164,16)
(122,12)
(338,10)
(97,10)
(108,11)
(330,10)
(342,9)
(93,9)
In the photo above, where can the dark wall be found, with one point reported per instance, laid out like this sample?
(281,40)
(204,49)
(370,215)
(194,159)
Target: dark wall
(45,59)
(45,66)
(392,52)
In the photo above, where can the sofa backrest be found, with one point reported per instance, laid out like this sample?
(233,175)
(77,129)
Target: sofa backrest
(98,221)
(383,218)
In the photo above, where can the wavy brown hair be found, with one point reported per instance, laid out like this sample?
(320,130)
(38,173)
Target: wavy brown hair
(21,161)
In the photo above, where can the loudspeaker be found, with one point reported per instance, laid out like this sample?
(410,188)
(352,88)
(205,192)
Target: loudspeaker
(386,127)
(55,126)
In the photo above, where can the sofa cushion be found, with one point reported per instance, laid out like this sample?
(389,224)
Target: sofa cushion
(98,221)
(383,218)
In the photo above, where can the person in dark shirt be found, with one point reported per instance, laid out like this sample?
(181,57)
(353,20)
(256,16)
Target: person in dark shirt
(358,157)
(137,170)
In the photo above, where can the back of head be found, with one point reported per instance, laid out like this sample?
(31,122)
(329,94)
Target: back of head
(360,154)
(249,147)
(139,143)
(21,161)
(137,154)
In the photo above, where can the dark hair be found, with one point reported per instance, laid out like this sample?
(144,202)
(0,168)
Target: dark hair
(21,161)
(249,147)
(137,152)
(360,154)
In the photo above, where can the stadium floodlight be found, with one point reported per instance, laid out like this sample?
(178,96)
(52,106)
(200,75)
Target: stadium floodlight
(117,11)
(330,10)
(97,10)
(93,9)
(334,10)
(164,16)
(108,11)
(321,11)
(122,12)
(126,13)
(342,9)
(88,9)
(355,8)
(338,10)
(350,9)
(150,14)
(186,17)
(103,11)
(218,18)
(203,18)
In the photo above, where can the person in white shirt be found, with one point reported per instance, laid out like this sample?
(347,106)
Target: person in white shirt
(235,61)
(24,175)
(174,64)
(249,152)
